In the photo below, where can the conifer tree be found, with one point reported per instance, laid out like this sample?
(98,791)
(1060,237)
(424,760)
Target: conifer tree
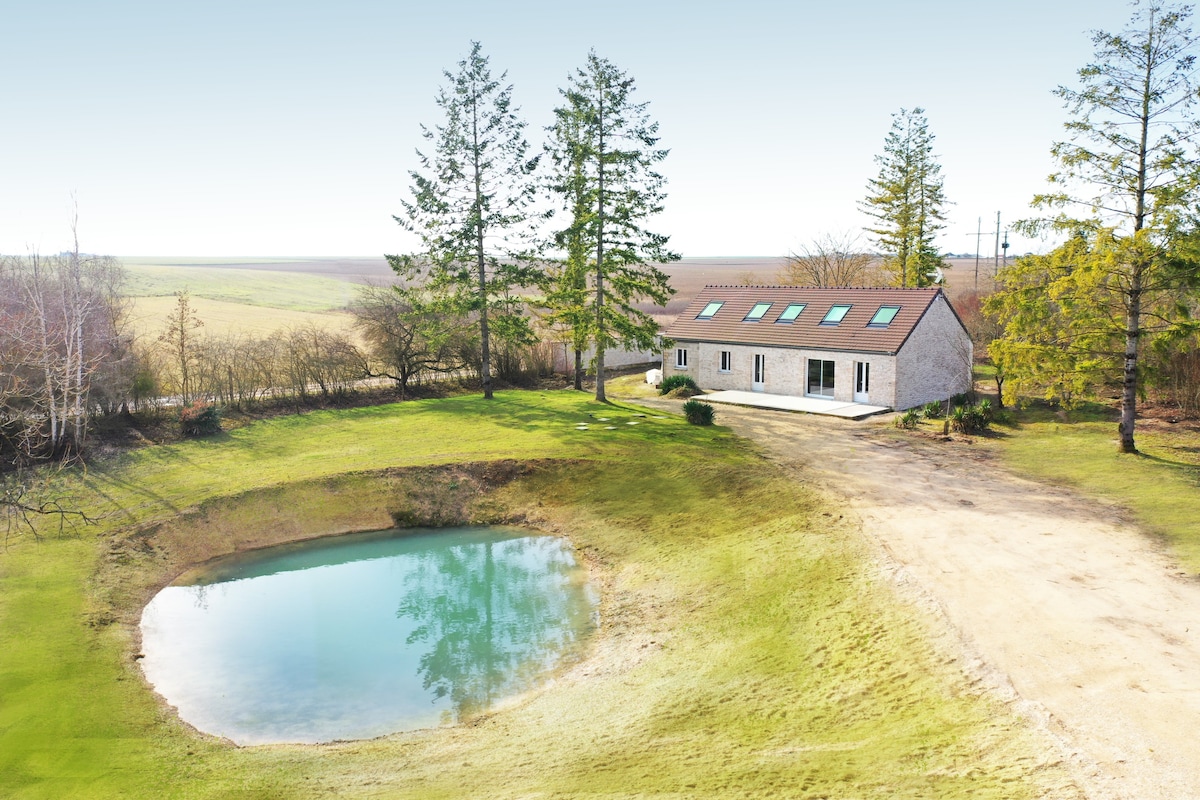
(471,210)
(906,199)
(1125,194)
(604,150)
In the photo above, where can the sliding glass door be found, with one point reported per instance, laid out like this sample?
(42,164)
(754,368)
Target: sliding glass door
(820,378)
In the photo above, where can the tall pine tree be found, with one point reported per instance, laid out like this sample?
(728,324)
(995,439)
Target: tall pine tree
(604,150)
(906,200)
(1126,196)
(471,210)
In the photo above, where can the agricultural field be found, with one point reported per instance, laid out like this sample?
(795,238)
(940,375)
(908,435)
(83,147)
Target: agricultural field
(748,644)
(148,317)
(248,296)
(319,290)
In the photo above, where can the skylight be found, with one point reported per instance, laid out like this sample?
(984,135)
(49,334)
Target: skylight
(710,309)
(757,312)
(835,315)
(791,312)
(884,316)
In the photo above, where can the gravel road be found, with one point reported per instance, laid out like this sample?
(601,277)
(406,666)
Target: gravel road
(1060,600)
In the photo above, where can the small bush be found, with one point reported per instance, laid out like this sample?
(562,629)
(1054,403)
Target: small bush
(909,419)
(932,410)
(972,419)
(201,418)
(699,413)
(678,382)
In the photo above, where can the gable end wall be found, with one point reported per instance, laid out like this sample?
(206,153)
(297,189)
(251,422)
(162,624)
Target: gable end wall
(936,361)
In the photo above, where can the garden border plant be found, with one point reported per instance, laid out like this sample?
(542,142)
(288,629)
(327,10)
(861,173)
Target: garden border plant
(697,412)
(673,382)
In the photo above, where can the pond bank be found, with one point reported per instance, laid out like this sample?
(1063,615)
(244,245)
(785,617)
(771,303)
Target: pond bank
(749,644)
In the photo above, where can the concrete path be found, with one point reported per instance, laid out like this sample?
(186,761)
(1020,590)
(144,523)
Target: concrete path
(806,405)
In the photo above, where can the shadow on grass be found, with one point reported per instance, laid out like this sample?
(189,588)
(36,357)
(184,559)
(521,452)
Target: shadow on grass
(1189,469)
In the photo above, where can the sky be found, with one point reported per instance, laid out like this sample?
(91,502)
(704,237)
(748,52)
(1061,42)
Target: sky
(258,129)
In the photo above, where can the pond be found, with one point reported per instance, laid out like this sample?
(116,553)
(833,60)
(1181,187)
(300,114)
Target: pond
(361,635)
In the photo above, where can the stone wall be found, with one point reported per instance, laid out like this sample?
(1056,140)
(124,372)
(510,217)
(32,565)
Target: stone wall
(936,361)
(786,370)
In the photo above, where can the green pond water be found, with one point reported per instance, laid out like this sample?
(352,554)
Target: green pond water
(362,635)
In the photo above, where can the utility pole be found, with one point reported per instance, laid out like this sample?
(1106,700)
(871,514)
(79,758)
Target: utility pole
(1004,246)
(978,239)
(996,261)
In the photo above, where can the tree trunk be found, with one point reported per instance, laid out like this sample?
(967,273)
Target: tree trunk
(1129,387)
(600,330)
(578,370)
(485,367)
(1133,310)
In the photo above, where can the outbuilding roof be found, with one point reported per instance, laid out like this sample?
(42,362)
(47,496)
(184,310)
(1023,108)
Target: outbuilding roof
(861,320)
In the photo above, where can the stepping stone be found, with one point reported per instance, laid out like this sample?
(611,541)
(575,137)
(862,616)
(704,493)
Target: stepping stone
(610,427)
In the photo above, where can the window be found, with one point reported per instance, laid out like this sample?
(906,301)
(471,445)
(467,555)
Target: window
(820,377)
(757,312)
(835,315)
(884,316)
(681,358)
(710,310)
(791,312)
(726,361)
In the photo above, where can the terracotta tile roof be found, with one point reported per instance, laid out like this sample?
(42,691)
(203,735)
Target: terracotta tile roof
(854,332)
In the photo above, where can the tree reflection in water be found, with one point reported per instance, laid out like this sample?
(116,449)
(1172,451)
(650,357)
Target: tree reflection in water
(495,617)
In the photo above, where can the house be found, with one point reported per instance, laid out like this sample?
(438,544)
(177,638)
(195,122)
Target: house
(563,358)
(886,347)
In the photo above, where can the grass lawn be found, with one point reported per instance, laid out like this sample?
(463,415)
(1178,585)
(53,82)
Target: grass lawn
(1078,448)
(748,648)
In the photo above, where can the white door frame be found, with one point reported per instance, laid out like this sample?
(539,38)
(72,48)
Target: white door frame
(759,382)
(862,381)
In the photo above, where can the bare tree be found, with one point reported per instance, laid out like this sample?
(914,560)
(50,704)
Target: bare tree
(984,328)
(831,260)
(181,339)
(22,500)
(61,325)
(404,343)
(321,359)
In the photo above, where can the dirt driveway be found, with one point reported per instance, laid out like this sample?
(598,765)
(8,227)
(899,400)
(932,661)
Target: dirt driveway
(1078,613)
